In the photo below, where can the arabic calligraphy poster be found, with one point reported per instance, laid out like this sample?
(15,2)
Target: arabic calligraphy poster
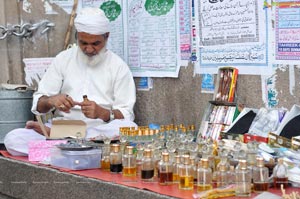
(287,31)
(153,43)
(232,33)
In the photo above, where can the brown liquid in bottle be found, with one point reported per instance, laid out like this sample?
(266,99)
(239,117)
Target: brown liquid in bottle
(280,181)
(165,177)
(260,187)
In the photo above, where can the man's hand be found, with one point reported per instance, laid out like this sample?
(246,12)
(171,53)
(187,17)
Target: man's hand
(92,110)
(61,102)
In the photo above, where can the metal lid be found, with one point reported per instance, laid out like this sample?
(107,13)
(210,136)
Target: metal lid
(147,153)
(242,164)
(165,157)
(129,150)
(186,159)
(115,148)
(204,163)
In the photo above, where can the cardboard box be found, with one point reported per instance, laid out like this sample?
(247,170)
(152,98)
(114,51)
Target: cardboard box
(296,143)
(279,141)
(250,137)
(67,128)
(39,150)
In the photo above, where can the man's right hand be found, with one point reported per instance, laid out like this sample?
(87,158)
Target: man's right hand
(62,102)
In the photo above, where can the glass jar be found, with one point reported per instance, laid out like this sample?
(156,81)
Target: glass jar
(115,158)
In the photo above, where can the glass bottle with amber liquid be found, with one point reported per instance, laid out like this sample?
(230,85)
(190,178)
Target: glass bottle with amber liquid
(176,165)
(280,175)
(186,178)
(115,158)
(105,162)
(243,180)
(147,167)
(129,162)
(165,170)
(204,176)
(260,176)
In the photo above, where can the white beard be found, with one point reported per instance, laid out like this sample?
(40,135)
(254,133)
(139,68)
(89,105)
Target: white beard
(94,60)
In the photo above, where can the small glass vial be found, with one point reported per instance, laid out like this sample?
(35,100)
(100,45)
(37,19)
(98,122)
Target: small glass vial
(242,180)
(204,176)
(165,170)
(222,176)
(147,168)
(260,175)
(280,175)
(186,178)
(115,159)
(176,169)
(139,159)
(105,162)
(129,162)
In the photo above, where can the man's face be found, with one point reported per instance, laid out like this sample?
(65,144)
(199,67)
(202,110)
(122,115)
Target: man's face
(91,44)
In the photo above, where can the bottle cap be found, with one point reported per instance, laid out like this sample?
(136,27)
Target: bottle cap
(260,162)
(186,159)
(242,164)
(192,160)
(147,153)
(115,148)
(177,159)
(222,167)
(129,150)
(85,98)
(165,157)
(204,163)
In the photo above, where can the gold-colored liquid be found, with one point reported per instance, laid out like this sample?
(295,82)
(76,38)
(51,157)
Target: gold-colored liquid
(105,164)
(186,182)
(175,177)
(203,187)
(129,171)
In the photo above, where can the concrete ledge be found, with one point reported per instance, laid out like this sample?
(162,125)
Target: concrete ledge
(23,180)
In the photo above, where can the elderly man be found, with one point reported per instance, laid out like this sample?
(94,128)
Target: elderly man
(89,69)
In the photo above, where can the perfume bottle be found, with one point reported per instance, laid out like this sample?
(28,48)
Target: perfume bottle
(204,176)
(222,176)
(260,175)
(280,174)
(105,162)
(165,170)
(186,178)
(115,158)
(147,168)
(242,180)
(129,162)
(139,158)
(176,165)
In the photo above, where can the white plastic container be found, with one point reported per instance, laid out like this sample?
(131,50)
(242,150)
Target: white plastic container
(76,160)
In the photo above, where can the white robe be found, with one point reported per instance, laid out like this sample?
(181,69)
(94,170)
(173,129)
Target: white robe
(110,84)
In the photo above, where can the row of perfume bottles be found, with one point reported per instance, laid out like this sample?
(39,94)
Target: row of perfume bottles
(166,132)
(184,171)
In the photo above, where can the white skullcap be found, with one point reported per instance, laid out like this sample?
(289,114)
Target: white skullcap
(92,20)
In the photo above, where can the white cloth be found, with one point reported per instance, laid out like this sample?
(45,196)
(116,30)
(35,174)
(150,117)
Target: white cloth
(110,84)
(91,20)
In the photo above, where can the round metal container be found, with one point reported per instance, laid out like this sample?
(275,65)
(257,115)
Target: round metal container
(15,109)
